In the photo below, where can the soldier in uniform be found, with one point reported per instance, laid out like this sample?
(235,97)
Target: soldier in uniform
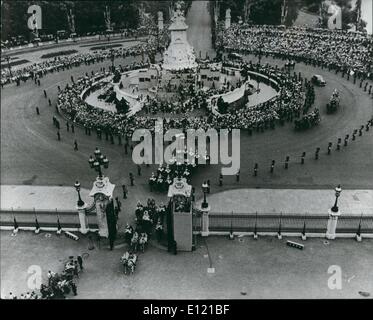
(124,188)
(132,179)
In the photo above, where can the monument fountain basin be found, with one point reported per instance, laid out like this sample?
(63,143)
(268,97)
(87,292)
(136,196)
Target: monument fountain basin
(136,85)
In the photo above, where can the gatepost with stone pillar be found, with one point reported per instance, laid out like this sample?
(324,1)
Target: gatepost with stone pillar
(102,192)
(83,219)
(334,213)
(181,224)
(81,207)
(205,221)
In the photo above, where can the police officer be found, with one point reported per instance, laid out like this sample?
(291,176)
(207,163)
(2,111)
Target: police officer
(255,169)
(287,162)
(272,166)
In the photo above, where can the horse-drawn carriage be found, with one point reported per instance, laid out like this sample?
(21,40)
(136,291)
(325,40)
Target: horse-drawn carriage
(333,104)
(128,261)
(308,121)
(136,240)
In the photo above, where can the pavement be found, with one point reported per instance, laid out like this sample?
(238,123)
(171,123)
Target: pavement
(296,201)
(41,197)
(261,269)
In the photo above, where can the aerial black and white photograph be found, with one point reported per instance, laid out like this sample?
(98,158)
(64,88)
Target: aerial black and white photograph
(186,150)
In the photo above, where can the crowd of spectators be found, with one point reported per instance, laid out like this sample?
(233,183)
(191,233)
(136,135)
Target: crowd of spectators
(335,49)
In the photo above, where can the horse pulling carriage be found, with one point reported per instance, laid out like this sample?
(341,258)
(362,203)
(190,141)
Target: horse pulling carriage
(129,262)
(333,104)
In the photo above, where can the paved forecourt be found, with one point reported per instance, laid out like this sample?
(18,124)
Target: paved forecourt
(244,268)
(291,201)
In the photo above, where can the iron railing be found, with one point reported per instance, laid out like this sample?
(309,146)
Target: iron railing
(291,223)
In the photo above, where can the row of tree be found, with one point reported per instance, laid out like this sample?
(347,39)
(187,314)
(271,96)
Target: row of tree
(89,15)
(270,11)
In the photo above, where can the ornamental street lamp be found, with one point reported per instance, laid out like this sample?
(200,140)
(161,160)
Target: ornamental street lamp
(338,191)
(77,187)
(98,161)
(204,189)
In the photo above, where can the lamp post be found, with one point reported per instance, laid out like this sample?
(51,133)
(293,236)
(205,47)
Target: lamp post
(98,161)
(338,191)
(77,188)
(204,189)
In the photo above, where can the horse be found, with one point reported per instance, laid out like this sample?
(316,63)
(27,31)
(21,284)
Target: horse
(143,240)
(129,262)
(134,241)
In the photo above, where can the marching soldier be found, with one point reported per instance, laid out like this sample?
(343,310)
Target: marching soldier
(138,170)
(132,179)
(124,189)
(329,148)
(287,162)
(302,158)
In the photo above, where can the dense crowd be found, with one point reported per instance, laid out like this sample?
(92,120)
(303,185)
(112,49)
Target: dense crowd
(60,63)
(339,50)
(285,106)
